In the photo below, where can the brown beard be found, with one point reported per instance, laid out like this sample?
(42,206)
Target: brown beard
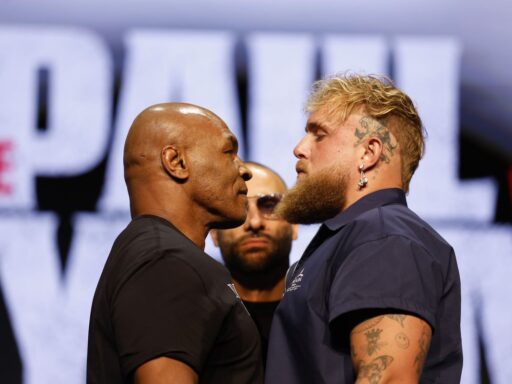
(315,198)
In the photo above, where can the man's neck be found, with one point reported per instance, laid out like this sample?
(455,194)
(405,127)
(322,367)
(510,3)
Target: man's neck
(261,295)
(196,233)
(187,217)
(357,195)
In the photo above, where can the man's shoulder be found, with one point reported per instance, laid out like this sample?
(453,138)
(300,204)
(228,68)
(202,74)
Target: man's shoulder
(152,230)
(151,235)
(150,239)
(399,222)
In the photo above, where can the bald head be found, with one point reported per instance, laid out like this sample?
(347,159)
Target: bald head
(177,124)
(181,163)
(267,176)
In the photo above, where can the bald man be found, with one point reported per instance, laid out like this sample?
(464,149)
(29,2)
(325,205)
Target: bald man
(257,252)
(164,311)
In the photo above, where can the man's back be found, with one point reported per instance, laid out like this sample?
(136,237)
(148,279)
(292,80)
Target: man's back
(160,295)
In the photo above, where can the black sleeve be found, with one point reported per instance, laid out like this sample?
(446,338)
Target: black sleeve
(391,273)
(163,310)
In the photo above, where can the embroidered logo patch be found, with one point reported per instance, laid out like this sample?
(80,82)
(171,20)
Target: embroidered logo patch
(232,287)
(296,282)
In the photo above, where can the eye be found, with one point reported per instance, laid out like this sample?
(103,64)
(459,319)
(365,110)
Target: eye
(267,203)
(319,135)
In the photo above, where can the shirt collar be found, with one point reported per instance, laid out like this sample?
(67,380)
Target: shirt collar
(370,201)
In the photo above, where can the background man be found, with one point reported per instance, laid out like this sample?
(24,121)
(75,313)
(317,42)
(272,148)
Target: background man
(376,296)
(164,311)
(257,252)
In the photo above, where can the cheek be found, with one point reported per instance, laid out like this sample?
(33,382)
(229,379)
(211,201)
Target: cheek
(324,155)
(232,235)
(229,172)
(334,152)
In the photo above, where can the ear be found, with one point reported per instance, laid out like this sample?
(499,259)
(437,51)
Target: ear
(295,231)
(215,237)
(372,152)
(174,162)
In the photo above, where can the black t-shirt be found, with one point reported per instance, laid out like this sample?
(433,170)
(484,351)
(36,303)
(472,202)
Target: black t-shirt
(160,295)
(262,312)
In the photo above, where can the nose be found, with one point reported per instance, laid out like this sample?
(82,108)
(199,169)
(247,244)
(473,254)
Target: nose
(301,149)
(244,171)
(254,221)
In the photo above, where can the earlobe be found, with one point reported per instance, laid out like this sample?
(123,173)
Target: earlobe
(174,162)
(372,153)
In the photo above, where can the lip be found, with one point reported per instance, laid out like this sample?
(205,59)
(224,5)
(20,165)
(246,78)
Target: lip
(300,169)
(254,242)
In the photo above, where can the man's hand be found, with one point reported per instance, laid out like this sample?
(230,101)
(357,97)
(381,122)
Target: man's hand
(164,370)
(390,348)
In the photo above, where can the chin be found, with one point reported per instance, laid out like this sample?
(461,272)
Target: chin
(256,263)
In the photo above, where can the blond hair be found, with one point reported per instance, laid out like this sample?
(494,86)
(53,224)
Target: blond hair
(377,96)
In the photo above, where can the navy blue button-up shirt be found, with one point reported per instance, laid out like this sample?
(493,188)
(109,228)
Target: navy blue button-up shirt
(375,255)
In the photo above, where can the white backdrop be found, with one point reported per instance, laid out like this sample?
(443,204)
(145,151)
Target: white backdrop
(50,310)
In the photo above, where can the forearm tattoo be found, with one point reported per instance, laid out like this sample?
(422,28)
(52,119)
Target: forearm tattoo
(372,338)
(373,370)
(369,324)
(369,126)
(398,318)
(373,341)
(402,340)
(423,344)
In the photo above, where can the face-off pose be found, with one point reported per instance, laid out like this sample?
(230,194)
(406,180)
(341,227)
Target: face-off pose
(257,252)
(163,310)
(376,296)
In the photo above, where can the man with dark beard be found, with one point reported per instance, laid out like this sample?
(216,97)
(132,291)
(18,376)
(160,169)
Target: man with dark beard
(375,297)
(257,252)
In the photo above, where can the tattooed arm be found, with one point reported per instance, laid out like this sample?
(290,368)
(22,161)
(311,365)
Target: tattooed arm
(389,349)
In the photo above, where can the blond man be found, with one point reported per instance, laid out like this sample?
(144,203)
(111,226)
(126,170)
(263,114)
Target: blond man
(376,296)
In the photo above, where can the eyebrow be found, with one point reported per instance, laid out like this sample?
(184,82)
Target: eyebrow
(234,142)
(314,127)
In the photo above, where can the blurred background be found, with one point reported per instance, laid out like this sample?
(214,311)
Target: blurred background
(73,75)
